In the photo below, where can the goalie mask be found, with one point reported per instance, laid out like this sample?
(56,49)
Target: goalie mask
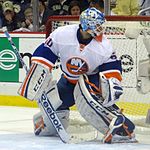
(92,20)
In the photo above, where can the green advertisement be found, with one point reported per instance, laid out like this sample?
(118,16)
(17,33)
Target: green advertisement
(9,64)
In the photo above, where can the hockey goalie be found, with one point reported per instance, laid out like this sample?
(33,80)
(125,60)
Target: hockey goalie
(91,79)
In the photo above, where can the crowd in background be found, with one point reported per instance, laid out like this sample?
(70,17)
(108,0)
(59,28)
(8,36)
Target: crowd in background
(17,15)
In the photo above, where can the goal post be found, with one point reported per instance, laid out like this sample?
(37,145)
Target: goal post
(126,33)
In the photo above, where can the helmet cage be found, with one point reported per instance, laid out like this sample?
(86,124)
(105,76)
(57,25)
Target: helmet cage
(89,20)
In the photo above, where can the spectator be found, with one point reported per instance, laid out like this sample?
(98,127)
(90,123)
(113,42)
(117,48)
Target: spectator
(23,5)
(113,3)
(143,5)
(60,7)
(84,4)
(9,17)
(1,11)
(126,7)
(0,21)
(98,4)
(28,22)
(21,1)
(74,8)
(44,13)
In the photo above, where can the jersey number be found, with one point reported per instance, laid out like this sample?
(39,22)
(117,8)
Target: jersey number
(49,42)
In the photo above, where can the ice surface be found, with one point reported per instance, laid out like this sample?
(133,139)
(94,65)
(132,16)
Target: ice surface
(16,133)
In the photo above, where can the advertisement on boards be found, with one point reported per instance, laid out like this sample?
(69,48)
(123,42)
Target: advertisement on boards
(11,69)
(9,64)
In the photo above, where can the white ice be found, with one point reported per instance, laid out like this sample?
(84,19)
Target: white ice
(16,133)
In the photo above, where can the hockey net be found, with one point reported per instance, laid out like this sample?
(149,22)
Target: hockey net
(122,32)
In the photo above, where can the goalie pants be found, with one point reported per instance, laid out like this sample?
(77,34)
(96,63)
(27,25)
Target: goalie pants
(65,89)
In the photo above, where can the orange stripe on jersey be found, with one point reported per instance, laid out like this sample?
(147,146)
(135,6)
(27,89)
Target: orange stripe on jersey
(113,74)
(42,62)
(71,81)
(27,78)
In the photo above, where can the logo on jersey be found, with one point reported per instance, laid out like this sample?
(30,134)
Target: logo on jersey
(77,66)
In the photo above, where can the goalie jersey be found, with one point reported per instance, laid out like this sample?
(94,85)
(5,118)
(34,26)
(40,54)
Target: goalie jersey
(77,56)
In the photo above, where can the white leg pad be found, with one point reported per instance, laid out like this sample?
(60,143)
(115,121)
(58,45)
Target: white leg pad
(91,110)
(43,127)
(53,95)
(42,124)
(36,81)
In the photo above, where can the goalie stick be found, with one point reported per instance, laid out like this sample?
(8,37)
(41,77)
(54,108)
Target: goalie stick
(44,101)
(15,48)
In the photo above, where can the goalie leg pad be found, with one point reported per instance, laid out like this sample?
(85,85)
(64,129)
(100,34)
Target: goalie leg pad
(127,128)
(120,130)
(90,109)
(42,126)
(122,127)
(36,87)
(36,82)
(107,120)
(53,95)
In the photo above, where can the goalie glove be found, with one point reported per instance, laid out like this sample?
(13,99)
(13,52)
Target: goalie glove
(111,90)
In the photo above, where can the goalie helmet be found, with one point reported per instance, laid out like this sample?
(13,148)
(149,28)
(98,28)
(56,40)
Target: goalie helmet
(91,20)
